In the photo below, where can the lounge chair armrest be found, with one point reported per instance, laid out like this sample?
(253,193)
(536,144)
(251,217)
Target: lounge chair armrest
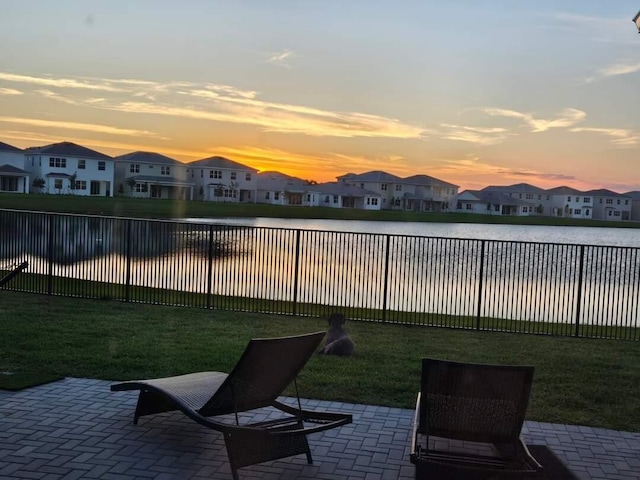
(415,447)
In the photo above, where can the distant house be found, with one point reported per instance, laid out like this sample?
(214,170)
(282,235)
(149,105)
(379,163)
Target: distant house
(67,168)
(534,196)
(608,205)
(418,193)
(13,177)
(570,203)
(277,188)
(218,179)
(492,203)
(152,175)
(341,195)
(635,204)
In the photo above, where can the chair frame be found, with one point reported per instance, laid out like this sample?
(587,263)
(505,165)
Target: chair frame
(204,395)
(448,411)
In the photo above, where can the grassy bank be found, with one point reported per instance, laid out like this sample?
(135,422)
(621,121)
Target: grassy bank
(158,208)
(577,381)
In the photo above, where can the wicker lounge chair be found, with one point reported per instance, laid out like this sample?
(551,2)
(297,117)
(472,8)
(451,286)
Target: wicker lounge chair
(466,402)
(264,370)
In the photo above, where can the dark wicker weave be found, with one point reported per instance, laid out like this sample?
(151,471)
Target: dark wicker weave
(465,402)
(264,370)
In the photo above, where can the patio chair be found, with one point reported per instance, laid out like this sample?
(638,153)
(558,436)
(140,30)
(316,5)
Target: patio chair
(260,376)
(465,402)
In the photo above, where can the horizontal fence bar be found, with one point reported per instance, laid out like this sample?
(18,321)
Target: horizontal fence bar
(541,288)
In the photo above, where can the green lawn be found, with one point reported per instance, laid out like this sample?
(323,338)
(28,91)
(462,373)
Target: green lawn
(158,208)
(577,381)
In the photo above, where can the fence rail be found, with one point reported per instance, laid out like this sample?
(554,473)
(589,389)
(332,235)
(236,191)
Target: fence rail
(555,289)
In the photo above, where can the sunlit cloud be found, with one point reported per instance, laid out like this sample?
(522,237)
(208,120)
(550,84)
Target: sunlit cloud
(86,127)
(566,118)
(620,136)
(58,82)
(281,58)
(477,135)
(10,91)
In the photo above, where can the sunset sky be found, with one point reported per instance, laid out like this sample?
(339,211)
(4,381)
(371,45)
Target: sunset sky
(472,92)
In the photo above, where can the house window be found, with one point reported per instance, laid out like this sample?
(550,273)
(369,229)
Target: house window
(374,201)
(326,199)
(529,196)
(57,184)
(335,199)
(142,187)
(201,173)
(626,202)
(165,170)
(308,198)
(587,199)
(247,177)
(102,165)
(215,174)
(568,199)
(82,164)
(56,162)
(134,168)
(609,213)
(525,209)
(95,188)
(233,175)
(469,206)
(548,197)
(519,195)
(362,185)
(616,213)
(383,186)
(609,201)
(230,193)
(587,213)
(266,196)
(398,188)
(618,201)
(81,185)
(577,211)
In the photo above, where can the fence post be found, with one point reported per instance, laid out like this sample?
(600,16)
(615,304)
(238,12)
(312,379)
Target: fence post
(480,284)
(50,255)
(210,268)
(296,274)
(127,290)
(386,278)
(579,294)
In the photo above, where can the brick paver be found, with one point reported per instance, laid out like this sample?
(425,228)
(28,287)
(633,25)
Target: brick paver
(77,428)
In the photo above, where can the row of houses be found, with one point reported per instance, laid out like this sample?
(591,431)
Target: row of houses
(68,168)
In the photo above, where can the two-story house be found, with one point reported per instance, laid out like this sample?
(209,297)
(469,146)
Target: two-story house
(608,205)
(491,202)
(569,202)
(277,188)
(343,195)
(13,177)
(537,198)
(67,168)
(218,179)
(151,175)
(635,204)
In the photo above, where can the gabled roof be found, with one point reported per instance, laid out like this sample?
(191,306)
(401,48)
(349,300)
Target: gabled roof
(563,191)
(634,194)
(339,188)
(373,176)
(495,198)
(147,157)
(603,192)
(5,147)
(10,169)
(220,162)
(426,180)
(517,188)
(68,149)
(279,181)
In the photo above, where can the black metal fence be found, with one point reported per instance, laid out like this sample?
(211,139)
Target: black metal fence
(558,289)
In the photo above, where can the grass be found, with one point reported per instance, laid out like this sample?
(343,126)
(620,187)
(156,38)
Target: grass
(160,208)
(577,381)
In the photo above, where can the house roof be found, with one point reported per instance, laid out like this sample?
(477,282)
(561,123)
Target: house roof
(339,188)
(372,176)
(11,170)
(517,188)
(563,191)
(635,194)
(495,198)
(68,149)
(603,192)
(5,147)
(220,162)
(426,180)
(280,181)
(146,157)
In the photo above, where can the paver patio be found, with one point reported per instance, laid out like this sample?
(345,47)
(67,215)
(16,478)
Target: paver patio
(77,428)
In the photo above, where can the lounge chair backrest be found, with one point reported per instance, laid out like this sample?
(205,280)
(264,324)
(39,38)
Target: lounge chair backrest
(473,402)
(263,372)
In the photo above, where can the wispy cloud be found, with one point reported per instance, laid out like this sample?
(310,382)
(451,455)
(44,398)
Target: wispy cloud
(86,127)
(616,69)
(221,103)
(10,91)
(281,58)
(620,136)
(566,118)
(476,135)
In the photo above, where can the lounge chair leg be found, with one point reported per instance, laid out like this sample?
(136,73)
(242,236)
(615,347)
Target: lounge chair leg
(234,473)
(309,459)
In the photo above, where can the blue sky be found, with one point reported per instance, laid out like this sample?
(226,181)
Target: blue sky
(472,92)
